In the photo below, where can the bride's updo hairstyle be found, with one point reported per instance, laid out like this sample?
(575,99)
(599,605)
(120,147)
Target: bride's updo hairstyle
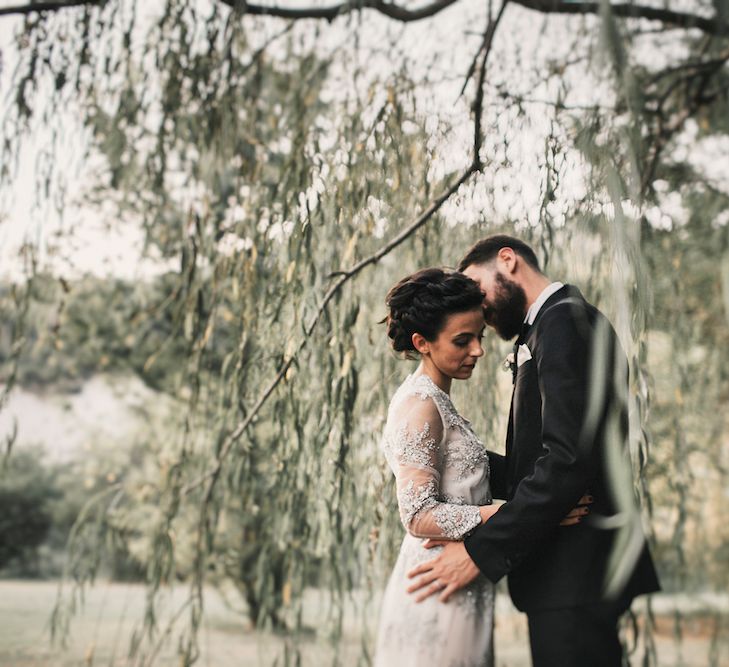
(421,302)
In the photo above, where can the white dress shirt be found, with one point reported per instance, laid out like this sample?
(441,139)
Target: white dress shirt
(536,306)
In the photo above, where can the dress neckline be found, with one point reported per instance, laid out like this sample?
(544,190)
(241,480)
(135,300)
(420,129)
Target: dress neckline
(414,378)
(430,382)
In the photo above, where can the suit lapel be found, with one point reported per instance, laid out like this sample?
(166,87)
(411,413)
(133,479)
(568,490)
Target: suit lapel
(528,335)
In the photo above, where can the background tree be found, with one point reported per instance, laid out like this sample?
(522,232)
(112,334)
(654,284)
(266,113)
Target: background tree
(278,159)
(26,495)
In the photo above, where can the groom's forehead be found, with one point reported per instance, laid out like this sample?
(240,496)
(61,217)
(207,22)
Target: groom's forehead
(479,272)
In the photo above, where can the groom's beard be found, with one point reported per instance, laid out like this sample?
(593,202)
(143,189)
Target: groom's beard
(506,309)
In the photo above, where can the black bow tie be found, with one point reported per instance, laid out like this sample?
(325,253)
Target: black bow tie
(523,332)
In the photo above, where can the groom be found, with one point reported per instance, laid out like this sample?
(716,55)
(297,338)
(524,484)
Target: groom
(567,434)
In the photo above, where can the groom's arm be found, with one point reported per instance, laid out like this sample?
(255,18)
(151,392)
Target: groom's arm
(567,464)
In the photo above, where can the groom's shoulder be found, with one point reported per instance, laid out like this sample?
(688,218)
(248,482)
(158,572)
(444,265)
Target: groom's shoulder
(566,303)
(566,313)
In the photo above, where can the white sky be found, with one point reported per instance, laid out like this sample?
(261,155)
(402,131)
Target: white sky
(84,239)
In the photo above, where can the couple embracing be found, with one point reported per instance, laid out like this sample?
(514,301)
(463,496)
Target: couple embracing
(555,537)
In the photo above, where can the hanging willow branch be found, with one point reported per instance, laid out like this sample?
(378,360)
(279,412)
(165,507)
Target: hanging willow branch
(698,84)
(205,530)
(21,299)
(344,276)
(389,9)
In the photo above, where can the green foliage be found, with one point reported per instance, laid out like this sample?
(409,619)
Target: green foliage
(43,500)
(77,329)
(27,494)
(266,180)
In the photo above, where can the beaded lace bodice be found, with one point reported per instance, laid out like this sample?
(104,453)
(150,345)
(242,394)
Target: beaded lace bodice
(440,466)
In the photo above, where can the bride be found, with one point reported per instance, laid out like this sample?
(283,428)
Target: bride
(441,470)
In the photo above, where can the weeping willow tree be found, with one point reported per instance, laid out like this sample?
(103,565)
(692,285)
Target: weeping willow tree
(292,163)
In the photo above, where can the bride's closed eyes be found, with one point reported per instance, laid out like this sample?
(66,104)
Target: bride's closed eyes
(463,339)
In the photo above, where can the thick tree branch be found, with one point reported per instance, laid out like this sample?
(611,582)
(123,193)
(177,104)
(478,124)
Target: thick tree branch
(712,26)
(341,278)
(390,10)
(47,6)
(477,108)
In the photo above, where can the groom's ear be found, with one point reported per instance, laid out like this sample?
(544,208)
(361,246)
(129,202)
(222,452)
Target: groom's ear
(508,259)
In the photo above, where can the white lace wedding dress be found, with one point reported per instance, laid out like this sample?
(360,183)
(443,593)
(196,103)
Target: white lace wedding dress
(442,475)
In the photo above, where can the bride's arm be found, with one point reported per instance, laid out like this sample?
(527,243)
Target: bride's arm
(416,457)
(487,511)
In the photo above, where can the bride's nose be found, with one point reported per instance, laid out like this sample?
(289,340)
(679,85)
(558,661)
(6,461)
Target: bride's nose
(476,349)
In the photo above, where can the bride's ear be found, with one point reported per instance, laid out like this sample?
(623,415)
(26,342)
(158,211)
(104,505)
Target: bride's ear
(420,344)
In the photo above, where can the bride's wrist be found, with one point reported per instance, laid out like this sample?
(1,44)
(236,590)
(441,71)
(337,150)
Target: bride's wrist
(487,511)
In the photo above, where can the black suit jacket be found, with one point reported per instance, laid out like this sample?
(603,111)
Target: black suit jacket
(567,435)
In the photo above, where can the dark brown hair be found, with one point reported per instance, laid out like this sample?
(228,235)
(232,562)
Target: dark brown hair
(485,250)
(421,302)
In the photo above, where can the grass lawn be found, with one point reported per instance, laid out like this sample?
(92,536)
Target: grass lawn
(100,633)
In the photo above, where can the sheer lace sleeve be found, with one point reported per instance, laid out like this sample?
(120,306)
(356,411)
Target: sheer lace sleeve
(414,450)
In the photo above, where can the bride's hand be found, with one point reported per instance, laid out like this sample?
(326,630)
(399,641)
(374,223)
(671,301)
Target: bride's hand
(582,509)
(487,511)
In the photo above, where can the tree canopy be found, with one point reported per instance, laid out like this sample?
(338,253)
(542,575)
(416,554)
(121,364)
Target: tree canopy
(293,162)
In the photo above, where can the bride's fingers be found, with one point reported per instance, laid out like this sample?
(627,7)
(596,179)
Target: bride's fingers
(587,499)
(574,516)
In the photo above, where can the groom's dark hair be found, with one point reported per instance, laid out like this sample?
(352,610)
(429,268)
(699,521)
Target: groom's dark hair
(485,250)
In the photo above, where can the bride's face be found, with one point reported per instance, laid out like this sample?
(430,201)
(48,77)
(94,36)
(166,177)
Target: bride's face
(457,347)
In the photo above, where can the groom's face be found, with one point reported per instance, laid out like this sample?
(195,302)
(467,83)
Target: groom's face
(504,301)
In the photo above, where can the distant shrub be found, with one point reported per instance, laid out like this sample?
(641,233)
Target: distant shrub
(27,493)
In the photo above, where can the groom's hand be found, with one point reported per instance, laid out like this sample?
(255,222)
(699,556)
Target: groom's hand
(449,571)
